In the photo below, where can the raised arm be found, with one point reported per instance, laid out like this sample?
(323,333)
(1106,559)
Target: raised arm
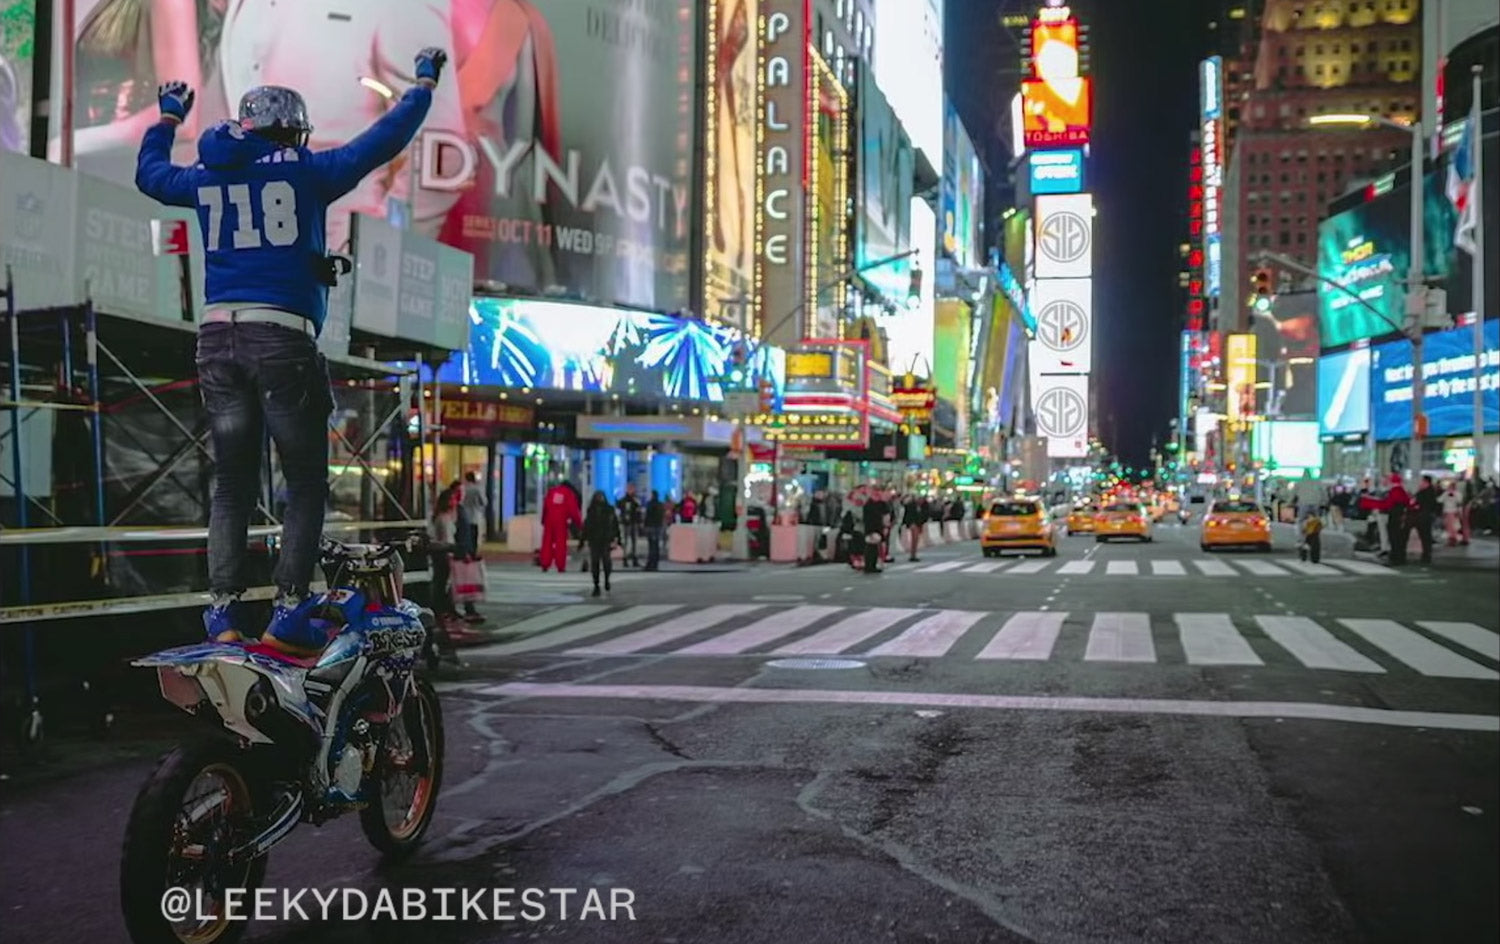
(155,174)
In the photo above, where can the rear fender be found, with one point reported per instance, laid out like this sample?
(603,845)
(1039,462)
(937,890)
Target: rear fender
(225,674)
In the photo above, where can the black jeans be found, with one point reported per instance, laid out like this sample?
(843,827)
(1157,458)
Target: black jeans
(630,543)
(600,556)
(1424,535)
(653,545)
(255,379)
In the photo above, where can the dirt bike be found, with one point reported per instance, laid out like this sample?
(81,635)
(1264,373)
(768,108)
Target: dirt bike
(287,741)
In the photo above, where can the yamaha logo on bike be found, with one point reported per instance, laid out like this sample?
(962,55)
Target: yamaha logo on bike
(1060,413)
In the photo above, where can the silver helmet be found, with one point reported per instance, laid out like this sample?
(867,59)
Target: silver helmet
(276,112)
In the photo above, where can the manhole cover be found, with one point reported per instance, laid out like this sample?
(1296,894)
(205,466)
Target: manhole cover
(816,664)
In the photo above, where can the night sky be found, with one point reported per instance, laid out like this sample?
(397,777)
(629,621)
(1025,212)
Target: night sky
(1146,98)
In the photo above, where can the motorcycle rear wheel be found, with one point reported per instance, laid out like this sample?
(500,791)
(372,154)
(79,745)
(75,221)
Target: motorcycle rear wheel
(396,830)
(158,834)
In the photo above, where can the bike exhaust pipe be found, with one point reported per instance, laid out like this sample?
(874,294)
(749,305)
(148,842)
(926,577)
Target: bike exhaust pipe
(283,820)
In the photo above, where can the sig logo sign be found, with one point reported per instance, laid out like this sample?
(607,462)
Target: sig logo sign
(1064,326)
(1065,236)
(1062,408)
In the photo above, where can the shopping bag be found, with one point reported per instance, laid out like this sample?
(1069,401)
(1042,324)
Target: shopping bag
(468,581)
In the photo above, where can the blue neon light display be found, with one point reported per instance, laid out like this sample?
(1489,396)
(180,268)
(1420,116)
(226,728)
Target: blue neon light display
(1448,396)
(1056,171)
(1344,393)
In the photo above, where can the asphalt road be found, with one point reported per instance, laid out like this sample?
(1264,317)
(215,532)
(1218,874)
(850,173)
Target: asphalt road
(1132,743)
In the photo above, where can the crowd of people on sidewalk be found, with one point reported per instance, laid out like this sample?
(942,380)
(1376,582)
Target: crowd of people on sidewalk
(861,533)
(1463,508)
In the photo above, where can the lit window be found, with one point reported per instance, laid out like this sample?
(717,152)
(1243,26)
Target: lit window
(828,43)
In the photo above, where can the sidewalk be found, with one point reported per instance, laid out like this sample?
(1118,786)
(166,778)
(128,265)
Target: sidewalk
(1481,553)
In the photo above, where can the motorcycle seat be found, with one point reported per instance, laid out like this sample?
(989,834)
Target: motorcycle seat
(301,662)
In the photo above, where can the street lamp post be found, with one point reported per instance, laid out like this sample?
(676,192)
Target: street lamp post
(1416,300)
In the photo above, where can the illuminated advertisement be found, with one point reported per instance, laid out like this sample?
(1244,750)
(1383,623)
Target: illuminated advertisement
(780,146)
(1065,236)
(951,342)
(962,193)
(1061,405)
(1287,339)
(1365,249)
(815,430)
(828,247)
(1056,171)
(1064,310)
(558,346)
(729,178)
(1344,393)
(909,330)
(1195,287)
(1447,395)
(17,50)
(1057,103)
(886,164)
(1288,448)
(1240,375)
(1211,145)
(586,190)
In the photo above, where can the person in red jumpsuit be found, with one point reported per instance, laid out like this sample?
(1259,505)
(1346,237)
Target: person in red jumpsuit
(560,512)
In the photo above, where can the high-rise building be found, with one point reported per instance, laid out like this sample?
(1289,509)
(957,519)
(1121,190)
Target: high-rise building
(1313,58)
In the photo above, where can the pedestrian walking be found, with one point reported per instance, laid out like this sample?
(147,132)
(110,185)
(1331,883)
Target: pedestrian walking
(630,511)
(913,519)
(874,522)
(474,505)
(560,513)
(601,532)
(1453,508)
(1312,538)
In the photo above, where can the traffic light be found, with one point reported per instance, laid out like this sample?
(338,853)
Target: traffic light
(767,396)
(914,289)
(737,363)
(1263,292)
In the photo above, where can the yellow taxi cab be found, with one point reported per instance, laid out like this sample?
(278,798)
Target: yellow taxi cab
(1018,524)
(1081,519)
(1122,519)
(1236,523)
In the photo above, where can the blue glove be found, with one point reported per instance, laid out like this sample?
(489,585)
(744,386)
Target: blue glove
(176,100)
(430,62)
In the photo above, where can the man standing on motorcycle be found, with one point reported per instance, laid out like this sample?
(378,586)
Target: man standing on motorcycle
(262,199)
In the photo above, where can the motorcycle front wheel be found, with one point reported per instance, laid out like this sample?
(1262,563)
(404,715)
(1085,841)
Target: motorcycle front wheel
(197,805)
(402,789)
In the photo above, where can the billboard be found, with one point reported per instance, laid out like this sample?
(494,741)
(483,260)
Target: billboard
(908,58)
(952,337)
(1061,405)
(1447,395)
(909,331)
(541,345)
(408,286)
(1064,311)
(1057,101)
(729,177)
(1065,236)
(962,194)
(1211,146)
(17,50)
(780,149)
(1056,171)
(886,166)
(1288,448)
(1240,375)
(1365,248)
(559,149)
(1344,393)
(828,247)
(1287,338)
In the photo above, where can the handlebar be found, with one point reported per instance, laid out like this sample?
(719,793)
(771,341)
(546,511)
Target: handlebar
(332,550)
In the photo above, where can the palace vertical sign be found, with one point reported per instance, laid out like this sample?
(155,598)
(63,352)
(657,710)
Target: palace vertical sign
(781,149)
(1212,145)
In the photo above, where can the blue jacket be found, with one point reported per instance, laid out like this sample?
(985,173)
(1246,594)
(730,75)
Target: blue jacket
(276,256)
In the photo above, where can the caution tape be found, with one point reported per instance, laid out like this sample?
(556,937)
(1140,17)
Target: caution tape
(93,535)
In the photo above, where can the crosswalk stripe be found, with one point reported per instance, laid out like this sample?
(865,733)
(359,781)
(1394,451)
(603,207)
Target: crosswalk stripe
(1311,569)
(662,633)
(1213,568)
(1025,636)
(1168,568)
(940,568)
(1029,567)
(930,637)
(847,632)
(1076,567)
(1262,568)
(1416,650)
(1118,568)
(616,619)
(1314,646)
(1362,568)
(1120,637)
(762,631)
(1467,635)
(1211,639)
(987,567)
